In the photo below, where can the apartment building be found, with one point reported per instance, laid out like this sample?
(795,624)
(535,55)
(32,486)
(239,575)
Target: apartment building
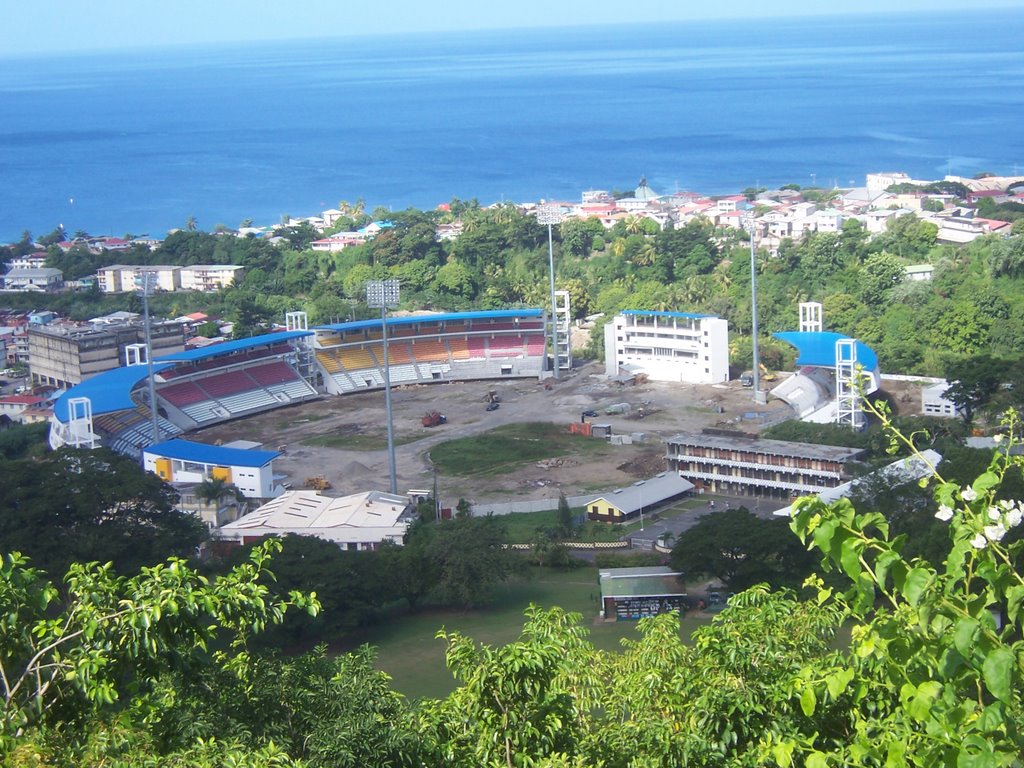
(668,346)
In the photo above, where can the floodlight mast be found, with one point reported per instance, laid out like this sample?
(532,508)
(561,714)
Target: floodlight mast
(552,214)
(147,280)
(384,295)
(753,307)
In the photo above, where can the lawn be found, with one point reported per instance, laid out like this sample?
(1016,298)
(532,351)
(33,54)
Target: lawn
(409,651)
(510,446)
(521,527)
(366,441)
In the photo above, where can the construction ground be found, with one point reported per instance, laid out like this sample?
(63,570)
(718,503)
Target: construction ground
(341,439)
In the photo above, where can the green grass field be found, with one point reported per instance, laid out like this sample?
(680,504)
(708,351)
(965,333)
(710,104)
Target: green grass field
(512,445)
(522,527)
(409,651)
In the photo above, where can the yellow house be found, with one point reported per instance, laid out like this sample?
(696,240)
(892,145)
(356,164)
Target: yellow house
(623,504)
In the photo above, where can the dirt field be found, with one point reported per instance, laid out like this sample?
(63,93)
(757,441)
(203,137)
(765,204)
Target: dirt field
(359,420)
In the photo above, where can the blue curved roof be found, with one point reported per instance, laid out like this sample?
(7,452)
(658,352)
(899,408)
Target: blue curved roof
(819,348)
(109,391)
(201,453)
(494,314)
(227,347)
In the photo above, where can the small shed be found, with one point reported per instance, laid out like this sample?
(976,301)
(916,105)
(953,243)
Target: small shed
(629,594)
(623,504)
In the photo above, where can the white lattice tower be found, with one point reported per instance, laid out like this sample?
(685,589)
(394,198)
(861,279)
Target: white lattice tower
(298,321)
(563,318)
(848,405)
(135,354)
(810,317)
(80,434)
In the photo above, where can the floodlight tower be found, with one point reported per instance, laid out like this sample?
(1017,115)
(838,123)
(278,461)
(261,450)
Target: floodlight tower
(383,295)
(146,282)
(552,214)
(756,371)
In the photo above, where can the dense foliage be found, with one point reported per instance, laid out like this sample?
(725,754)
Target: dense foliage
(973,306)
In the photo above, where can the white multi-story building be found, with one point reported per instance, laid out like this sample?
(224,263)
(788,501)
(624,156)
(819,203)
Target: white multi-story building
(124,278)
(668,346)
(210,277)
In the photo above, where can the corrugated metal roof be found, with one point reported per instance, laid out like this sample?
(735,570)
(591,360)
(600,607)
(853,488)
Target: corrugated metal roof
(646,493)
(201,453)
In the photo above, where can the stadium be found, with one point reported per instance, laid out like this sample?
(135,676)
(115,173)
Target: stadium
(235,379)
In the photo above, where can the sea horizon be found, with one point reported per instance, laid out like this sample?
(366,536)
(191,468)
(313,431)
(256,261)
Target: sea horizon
(139,141)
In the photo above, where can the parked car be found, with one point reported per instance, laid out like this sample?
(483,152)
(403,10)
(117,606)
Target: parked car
(493,405)
(590,414)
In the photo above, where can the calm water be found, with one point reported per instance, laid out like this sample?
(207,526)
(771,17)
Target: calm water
(140,141)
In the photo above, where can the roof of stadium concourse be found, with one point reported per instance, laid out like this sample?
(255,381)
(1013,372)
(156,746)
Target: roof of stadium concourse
(227,347)
(819,348)
(691,315)
(221,455)
(108,392)
(646,581)
(433,318)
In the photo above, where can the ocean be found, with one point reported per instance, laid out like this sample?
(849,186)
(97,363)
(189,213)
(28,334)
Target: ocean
(138,141)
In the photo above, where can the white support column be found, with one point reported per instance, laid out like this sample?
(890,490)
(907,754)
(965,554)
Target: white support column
(810,317)
(848,406)
(563,319)
(296,321)
(135,354)
(80,432)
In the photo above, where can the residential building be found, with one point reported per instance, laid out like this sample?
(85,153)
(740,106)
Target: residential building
(877,183)
(210,278)
(917,273)
(43,279)
(124,278)
(668,346)
(13,406)
(741,464)
(28,261)
(362,521)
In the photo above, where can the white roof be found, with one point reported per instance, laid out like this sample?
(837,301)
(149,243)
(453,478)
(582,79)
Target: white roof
(361,517)
(900,471)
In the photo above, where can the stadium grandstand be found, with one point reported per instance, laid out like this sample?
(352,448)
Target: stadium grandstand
(194,388)
(424,348)
(201,387)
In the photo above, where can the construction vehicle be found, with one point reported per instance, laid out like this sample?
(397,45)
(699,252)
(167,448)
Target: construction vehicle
(492,397)
(766,375)
(433,419)
(318,483)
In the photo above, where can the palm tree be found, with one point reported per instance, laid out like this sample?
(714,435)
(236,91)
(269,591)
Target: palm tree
(213,490)
(190,223)
(634,225)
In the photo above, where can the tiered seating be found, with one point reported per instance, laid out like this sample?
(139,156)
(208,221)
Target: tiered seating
(428,350)
(398,353)
(354,358)
(277,372)
(459,348)
(205,412)
(182,394)
(328,360)
(475,347)
(506,346)
(479,326)
(225,384)
(403,374)
(243,402)
(535,345)
(297,389)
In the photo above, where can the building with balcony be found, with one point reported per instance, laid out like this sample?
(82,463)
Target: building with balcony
(668,346)
(745,465)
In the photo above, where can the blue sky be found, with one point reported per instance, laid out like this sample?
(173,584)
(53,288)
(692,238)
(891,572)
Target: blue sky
(48,26)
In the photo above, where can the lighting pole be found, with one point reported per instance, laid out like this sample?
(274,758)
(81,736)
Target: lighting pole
(551,214)
(147,286)
(753,308)
(383,294)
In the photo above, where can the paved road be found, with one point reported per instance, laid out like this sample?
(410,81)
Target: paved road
(677,524)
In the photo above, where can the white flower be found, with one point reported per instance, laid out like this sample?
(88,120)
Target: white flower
(997,438)
(994,513)
(979,542)
(1014,518)
(945,514)
(994,532)
(968,494)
